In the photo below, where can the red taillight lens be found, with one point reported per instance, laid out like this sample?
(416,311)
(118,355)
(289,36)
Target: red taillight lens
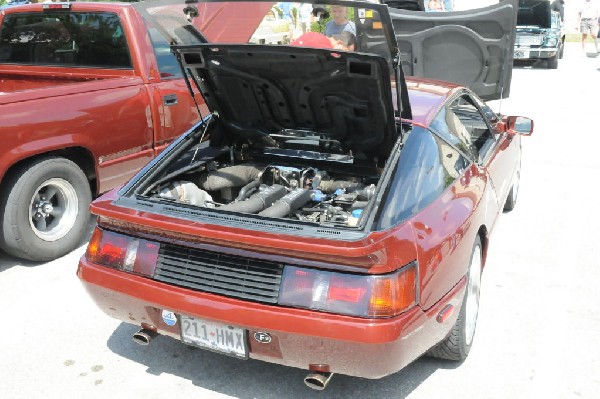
(123,252)
(350,294)
(346,288)
(106,248)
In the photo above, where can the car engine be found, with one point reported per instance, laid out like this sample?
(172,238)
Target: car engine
(273,191)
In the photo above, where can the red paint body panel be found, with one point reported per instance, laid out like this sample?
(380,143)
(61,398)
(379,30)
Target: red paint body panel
(440,238)
(302,337)
(427,96)
(116,116)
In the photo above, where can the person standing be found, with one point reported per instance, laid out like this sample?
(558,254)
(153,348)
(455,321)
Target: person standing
(435,5)
(588,22)
(305,15)
(339,23)
(559,6)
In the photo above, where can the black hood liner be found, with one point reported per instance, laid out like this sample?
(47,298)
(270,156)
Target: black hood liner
(260,90)
(534,13)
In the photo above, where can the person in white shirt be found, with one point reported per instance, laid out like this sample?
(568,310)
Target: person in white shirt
(305,12)
(588,22)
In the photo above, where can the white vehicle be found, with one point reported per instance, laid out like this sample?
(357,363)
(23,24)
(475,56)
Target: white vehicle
(272,30)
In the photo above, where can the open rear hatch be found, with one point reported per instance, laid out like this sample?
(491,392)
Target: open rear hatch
(473,48)
(534,13)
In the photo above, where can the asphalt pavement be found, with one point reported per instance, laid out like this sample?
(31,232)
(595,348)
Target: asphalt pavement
(539,324)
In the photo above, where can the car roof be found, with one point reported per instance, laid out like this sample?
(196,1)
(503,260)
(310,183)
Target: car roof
(427,96)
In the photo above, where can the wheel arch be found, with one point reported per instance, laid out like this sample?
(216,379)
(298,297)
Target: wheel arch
(81,156)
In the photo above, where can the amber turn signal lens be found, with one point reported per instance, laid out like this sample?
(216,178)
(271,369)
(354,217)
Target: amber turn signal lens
(395,294)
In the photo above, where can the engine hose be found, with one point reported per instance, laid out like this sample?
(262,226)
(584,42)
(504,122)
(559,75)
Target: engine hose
(257,202)
(247,189)
(288,204)
(231,176)
(330,186)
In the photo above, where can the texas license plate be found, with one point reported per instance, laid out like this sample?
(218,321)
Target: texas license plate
(214,336)
(520,54)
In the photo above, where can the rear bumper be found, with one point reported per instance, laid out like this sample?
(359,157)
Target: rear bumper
(300,338)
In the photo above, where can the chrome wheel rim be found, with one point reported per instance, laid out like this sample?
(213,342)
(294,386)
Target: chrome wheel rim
(53,209)
(473,289)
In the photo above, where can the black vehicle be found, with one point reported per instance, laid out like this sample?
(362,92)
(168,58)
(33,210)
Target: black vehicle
(540,33)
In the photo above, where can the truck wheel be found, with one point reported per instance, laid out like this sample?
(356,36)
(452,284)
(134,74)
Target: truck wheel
(553,62)
(457,344)
(561,52)
(44,209)
(513,194)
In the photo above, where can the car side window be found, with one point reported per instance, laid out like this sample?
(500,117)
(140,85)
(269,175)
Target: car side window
(427,166)
(86,39)
(447,125)
(473,124)
(168,66)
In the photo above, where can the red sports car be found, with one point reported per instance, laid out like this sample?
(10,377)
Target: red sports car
(329,214)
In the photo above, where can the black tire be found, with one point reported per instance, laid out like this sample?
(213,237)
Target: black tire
(457,344)
(513,194)
(561,52)
(44,209)
(553,62)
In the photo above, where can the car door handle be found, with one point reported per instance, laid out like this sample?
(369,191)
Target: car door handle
(170,99)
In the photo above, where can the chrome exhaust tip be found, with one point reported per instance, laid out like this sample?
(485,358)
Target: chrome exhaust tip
(317,381)
(144,336)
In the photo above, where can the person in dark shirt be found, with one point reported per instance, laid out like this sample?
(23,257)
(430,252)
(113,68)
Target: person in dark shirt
(559,5)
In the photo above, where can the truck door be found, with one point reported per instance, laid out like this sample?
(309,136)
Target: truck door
(177,111)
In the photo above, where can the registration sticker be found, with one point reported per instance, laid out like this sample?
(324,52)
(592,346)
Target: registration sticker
(169,317)
(213,336)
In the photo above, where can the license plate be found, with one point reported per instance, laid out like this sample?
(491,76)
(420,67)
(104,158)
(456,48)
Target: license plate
(521,54)
(213,336)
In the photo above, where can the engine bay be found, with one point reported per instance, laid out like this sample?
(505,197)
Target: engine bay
(307,194)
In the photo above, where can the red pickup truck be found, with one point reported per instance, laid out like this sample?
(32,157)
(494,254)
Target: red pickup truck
(89,93)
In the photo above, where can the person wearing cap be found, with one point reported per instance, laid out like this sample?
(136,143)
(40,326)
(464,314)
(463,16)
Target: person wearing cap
(346,41)
(313,39)
(339,23)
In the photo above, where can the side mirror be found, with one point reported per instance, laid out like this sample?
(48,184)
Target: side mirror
(518,125)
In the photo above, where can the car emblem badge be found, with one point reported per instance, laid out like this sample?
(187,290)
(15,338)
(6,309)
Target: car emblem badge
(262,337)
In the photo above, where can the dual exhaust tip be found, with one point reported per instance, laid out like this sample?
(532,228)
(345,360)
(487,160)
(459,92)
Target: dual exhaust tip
(144,336)
(317,381)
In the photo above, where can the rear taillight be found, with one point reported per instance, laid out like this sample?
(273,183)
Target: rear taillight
(350,294)
(123,252)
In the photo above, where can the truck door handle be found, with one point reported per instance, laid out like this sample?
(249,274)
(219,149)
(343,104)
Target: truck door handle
(170,99)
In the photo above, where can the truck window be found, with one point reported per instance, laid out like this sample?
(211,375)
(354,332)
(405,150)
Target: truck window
(168,66)
(85,39)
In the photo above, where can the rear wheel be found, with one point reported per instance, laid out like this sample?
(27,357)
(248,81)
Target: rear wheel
(457,345)
(44,208)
